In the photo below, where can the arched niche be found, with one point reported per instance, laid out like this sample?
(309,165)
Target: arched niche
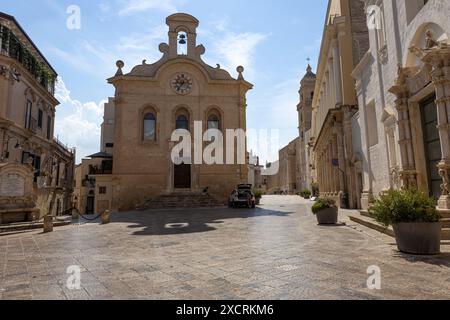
(419,41)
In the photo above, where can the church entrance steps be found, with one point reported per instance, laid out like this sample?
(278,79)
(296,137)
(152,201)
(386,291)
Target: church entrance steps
(181,199)
(363,218)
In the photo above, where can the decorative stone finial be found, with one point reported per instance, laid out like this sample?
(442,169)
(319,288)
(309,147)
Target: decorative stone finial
(240,70)
(120,64)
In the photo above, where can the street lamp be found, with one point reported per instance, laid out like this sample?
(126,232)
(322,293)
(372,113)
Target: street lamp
(17,146)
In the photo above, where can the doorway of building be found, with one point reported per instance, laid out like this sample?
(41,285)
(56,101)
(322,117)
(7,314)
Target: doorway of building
(433,151)
(182,176)
(90,203)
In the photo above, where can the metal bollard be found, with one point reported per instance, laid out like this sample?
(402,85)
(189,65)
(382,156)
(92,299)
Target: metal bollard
(48,224)
(106,217)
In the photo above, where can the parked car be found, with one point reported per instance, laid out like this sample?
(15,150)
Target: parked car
(242,196)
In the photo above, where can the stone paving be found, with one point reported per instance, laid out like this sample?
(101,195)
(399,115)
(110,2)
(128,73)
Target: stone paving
(274,252)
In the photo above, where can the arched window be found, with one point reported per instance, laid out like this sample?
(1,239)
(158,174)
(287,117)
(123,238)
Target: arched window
(213,122)
(182,122)
(150,127)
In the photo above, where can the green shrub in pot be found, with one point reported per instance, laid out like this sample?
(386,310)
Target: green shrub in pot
(322,204)
(415,220)
(404,206)
(326,211)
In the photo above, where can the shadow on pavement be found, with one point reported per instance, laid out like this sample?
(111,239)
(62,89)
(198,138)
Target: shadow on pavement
(442,260)
(157,222)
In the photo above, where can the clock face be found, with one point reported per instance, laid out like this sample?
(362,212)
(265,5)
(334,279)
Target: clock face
(182,84)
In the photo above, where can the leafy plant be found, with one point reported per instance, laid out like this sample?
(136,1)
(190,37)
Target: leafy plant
(306,194)
(322,204)
(397,206)
(258,193)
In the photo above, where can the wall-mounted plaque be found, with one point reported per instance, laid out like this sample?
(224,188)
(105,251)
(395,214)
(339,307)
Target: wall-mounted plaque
(12,185)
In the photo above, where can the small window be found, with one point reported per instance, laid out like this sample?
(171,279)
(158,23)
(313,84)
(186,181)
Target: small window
(40,118)
(149,127)
(102,190)
(110,145)
(182,122)
(28,114)
(49,127)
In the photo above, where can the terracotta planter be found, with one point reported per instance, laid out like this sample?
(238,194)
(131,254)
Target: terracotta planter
(105,217)
(327,216)
(258,201)
(422,238)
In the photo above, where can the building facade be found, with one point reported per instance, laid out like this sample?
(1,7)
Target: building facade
(403,88)
(335,108)
(89,195)
(36,170)
(283,176)
(179,92)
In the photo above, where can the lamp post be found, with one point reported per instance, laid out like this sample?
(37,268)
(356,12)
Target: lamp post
(5,154)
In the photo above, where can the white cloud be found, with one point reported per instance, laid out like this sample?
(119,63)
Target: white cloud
(99,60)
(78,123)
(238,49)
(130,7)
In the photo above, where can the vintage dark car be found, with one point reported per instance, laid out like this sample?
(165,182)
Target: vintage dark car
(242,196)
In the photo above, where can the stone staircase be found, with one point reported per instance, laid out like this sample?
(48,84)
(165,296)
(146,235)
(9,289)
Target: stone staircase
(364,218)
(179,200)
(25,226)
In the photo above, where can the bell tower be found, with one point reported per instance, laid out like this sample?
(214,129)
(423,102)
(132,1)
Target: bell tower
(182,30)
(306,92)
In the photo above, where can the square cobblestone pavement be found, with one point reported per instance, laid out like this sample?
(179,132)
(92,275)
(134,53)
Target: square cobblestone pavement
(276,251)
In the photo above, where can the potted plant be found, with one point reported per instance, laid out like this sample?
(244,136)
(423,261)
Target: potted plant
(415,220)
(258,195)
(326,211)
(306,194)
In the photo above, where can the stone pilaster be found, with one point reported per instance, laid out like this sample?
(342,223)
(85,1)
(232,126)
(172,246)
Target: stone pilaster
(408,174)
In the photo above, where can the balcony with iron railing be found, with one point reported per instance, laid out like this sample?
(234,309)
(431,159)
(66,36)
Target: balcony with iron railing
(13,47)
(103,169)
(63,146)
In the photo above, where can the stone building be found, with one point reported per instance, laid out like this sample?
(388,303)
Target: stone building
(335,109)
(180,91)
(284,180)
(305,178)
(36,170)
(403,89)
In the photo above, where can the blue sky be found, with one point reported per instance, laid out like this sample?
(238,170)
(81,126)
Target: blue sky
(271,39)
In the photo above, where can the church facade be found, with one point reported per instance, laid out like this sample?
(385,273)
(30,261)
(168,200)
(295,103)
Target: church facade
(180,91)
(403,88)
